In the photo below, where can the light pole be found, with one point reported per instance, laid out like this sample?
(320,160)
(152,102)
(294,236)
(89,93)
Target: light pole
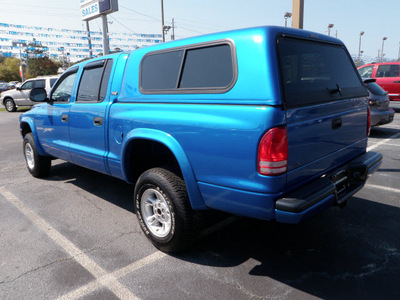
(383,42)
(398,57)
(287,16)
(359,45)
(329,28)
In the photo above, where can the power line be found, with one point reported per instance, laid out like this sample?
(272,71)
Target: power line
(122,24)
(139,13)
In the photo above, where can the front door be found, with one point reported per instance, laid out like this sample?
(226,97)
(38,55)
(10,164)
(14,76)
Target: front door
(52,127)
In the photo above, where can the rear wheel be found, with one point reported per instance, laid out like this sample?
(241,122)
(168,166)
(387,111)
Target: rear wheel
(163,210)
(38,166)
(10,105)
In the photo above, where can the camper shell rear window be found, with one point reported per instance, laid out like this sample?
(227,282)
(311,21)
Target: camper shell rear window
(314,72)
(203,68)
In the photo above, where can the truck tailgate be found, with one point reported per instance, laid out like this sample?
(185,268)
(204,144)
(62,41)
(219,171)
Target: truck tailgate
(321,137)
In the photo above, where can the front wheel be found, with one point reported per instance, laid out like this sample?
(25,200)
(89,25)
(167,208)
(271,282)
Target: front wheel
(39,166)
(10,105)
(163,210)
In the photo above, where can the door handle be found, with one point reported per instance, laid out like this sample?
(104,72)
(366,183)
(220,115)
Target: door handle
(396,81)
(64,118)
(98,121)
(336,123)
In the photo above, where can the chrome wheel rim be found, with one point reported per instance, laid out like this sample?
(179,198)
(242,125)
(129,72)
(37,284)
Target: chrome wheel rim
(30,158)
(9,106)
(156,213)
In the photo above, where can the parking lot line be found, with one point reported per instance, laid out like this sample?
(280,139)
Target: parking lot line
(384,188)
(107,280)
(395,136)
(92,286)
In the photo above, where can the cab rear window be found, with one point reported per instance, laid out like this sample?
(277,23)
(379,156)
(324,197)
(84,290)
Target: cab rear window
(313,72)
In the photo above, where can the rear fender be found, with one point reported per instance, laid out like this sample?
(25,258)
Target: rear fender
(172,144)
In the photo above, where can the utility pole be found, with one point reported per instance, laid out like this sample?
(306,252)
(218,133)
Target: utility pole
(297,14)
(162,21)
(173,30)
(21,69)
(90,40)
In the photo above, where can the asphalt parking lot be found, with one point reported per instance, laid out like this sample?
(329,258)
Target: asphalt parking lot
(74,235)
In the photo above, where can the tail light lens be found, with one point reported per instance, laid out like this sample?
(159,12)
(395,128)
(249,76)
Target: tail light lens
(273,152)
(369,122)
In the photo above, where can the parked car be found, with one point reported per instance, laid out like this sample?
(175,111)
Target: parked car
(14,84)
(20,95)
(266,122)
(387,76)
(4,86)
(378,101)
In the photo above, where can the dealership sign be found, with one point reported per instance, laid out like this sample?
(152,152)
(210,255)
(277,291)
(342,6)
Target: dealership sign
(91,9)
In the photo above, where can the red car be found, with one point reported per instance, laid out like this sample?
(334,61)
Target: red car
(387,75)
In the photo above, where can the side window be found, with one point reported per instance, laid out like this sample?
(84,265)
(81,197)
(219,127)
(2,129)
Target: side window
(40,83)
(161,71)
(201,69)
(62,92)
(388,71)
(27,85)
(209,67)
(105,80)
(94,81)
(52,81)
(366,72)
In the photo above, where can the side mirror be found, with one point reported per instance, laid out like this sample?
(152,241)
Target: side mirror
(18,88)
(38,95)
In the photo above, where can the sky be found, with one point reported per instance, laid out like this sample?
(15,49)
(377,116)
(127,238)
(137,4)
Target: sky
(377,19)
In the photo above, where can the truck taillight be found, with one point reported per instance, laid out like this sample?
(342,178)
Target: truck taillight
(369,122)
(273,152)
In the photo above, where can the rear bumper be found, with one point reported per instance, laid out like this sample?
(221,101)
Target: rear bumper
(335,187)
(381,117)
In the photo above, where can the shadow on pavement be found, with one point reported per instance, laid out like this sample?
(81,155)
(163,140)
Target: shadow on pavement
(351,253)
(383,132)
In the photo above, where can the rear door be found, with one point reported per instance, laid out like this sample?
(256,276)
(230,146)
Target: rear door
(388,77)
(87,116)
(325,107)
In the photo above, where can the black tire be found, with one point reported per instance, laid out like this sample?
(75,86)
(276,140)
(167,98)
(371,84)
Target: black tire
(38,166)
(163,194)
(10,105)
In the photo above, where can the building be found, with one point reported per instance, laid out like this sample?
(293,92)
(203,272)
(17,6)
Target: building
(65,44)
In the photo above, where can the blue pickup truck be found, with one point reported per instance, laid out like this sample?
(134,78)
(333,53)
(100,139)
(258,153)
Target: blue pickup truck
(267,122)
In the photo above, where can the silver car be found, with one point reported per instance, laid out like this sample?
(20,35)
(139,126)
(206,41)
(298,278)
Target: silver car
(378,101)
(19,96)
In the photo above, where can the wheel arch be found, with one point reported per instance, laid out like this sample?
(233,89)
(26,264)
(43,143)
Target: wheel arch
(26,126)
(139,141)
(6,98)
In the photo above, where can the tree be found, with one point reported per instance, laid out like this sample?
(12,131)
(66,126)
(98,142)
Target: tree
(9,69)
(41,66)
